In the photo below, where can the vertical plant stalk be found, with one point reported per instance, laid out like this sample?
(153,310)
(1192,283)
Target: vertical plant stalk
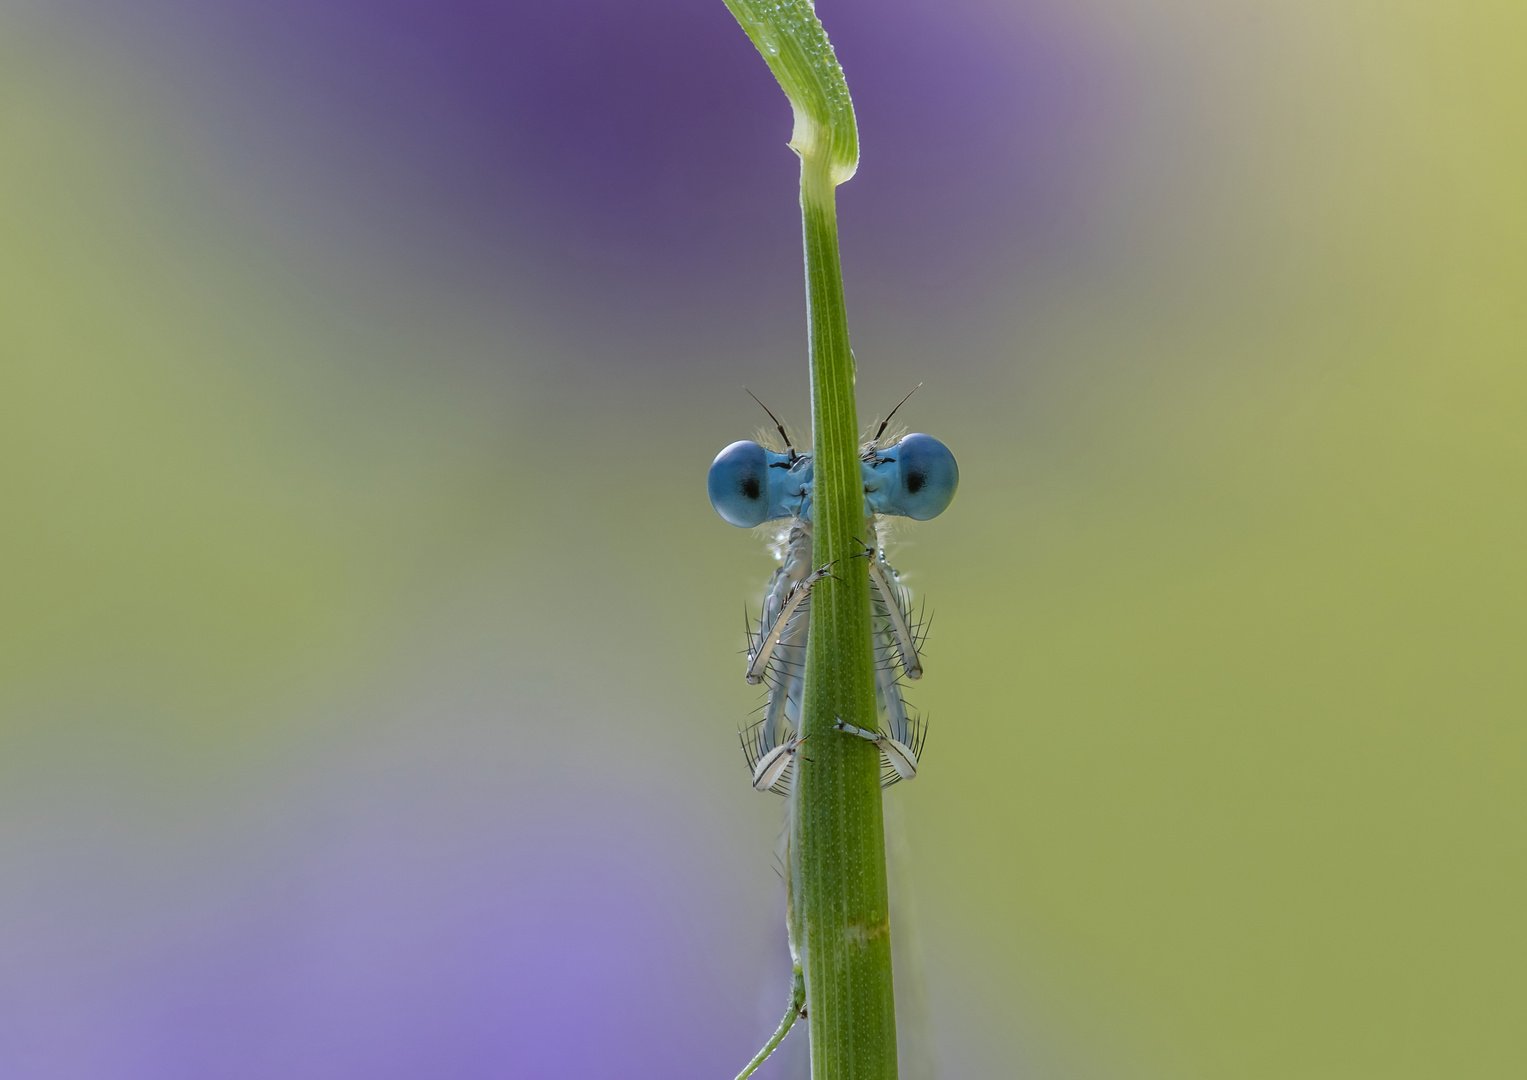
(840,914)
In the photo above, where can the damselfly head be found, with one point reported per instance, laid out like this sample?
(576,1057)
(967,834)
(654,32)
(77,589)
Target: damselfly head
(916,478)
(749,485)
(738,484)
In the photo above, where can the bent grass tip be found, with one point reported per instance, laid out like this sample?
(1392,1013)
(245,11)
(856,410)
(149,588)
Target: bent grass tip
(792,41)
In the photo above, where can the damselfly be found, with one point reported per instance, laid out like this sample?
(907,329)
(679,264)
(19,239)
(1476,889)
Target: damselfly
(912,476)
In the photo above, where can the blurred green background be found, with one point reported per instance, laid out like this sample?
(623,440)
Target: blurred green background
(359,584)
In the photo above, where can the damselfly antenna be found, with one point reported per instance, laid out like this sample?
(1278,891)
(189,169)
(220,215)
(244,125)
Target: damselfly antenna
(886,422)
(779,426)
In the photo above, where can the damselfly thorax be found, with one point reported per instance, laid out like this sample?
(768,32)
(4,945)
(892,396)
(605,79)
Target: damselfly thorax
(914,476)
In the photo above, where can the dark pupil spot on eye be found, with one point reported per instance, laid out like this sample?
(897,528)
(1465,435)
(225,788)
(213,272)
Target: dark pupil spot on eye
(750,488)
(915,482)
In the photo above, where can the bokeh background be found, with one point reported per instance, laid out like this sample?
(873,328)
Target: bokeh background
(368,648)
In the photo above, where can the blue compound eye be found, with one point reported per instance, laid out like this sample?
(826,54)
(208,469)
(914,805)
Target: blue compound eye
(738,484)
(929,476)
(916,478)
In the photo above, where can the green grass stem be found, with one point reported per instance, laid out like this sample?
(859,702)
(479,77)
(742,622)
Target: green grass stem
(840,914)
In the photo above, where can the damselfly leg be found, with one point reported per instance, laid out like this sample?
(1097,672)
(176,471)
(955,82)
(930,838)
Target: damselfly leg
(897,756)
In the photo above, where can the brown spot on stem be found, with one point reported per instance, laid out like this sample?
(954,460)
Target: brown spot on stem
(861,935)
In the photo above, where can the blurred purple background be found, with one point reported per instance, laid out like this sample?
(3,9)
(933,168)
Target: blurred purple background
(368,680)
(623,162)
